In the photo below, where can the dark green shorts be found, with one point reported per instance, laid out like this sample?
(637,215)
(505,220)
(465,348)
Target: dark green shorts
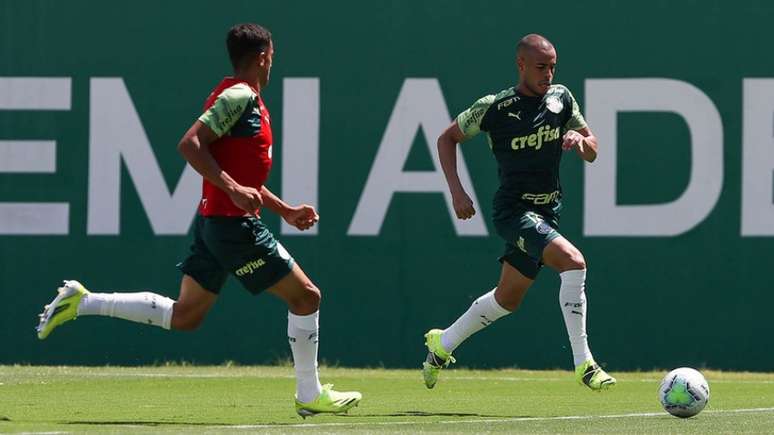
(241,246)
(526,235)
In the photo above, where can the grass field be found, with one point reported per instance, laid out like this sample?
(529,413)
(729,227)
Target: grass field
(228,399)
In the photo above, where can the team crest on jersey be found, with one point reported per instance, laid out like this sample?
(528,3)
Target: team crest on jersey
(543,228)
(554,104)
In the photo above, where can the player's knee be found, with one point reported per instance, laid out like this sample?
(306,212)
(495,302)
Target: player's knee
(574,260)
(307,301)
(577,261)
(312,296)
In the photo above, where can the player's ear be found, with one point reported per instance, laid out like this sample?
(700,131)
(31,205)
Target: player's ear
(520,63)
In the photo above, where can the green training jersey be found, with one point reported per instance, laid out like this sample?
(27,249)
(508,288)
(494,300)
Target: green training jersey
(525,135)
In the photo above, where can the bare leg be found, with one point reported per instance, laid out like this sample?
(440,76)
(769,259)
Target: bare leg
(512,287)
(298,291)
(561,255)
(192,305)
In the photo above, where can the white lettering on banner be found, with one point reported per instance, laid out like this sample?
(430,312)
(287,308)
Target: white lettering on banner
(33,156)
(28,156)
(300,145)
(604,99)
(758,157)
(115,135)
(420,105)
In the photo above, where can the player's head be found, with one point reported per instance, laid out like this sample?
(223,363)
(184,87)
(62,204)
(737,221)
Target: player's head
(536,60)
(251,50)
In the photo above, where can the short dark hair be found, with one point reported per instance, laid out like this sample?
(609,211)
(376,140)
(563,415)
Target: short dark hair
(532,41)
(244,40)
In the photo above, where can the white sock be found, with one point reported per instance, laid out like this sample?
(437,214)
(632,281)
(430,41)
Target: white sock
(481,314)
(303,335)
(143,307)
(572,299)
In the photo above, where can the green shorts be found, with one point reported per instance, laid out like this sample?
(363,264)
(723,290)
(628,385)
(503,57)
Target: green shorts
(526,235)
(241,246)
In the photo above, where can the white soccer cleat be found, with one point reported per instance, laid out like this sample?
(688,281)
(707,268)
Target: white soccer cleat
(63,308)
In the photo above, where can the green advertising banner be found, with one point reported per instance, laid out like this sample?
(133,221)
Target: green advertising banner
(675,218)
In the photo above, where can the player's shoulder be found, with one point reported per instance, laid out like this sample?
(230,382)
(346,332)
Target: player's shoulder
(559,90)
(503,94)
(489,100)
(499,96)
(238,92)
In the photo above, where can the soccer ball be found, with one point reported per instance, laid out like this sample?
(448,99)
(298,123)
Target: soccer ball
(684,392)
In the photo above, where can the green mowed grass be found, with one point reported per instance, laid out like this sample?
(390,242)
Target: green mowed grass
(250,399)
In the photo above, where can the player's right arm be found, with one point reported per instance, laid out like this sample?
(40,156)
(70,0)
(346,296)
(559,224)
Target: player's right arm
(195,148)
(467,125)
(447,153)
(215,122)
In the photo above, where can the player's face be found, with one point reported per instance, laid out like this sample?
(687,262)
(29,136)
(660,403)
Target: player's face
(265,61)
(536,68)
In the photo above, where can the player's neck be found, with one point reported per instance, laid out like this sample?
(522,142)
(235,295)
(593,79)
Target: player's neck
(251,79)
(524,90)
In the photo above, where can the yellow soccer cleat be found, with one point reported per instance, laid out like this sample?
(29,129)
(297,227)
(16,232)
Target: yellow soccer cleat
(591,375)
(64,307)
(437,357)
(329,401)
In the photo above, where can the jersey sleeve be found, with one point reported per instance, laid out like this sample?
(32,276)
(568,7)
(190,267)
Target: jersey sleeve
(576,120)
(469,121)
(227,109)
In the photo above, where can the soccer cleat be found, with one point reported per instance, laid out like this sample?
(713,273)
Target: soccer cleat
(591,375)
(329,401)
(437,357)
(64,307)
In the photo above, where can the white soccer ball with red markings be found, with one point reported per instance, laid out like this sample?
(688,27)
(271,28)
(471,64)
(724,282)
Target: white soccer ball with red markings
(684,392)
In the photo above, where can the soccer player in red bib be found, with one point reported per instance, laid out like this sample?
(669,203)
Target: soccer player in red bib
(230,146)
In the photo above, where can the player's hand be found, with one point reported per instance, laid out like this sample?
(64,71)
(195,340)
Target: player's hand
(302,217)
(572,139)
(248,199)
(463,205)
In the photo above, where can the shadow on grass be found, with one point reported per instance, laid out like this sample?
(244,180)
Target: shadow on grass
(181,423)
(141,423)
(434,414)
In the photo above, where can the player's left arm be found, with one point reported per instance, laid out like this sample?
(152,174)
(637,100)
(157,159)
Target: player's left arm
(301,216)
(584,142)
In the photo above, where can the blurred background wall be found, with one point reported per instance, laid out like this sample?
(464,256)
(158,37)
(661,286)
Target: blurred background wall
(675,218)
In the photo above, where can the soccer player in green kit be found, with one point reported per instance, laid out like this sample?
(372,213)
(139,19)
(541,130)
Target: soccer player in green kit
(528,128)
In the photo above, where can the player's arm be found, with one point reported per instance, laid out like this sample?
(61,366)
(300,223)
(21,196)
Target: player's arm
(447,154)
(214,123)
(578,134)
(465,126)
(584,142)
(301,216)
(195,148)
